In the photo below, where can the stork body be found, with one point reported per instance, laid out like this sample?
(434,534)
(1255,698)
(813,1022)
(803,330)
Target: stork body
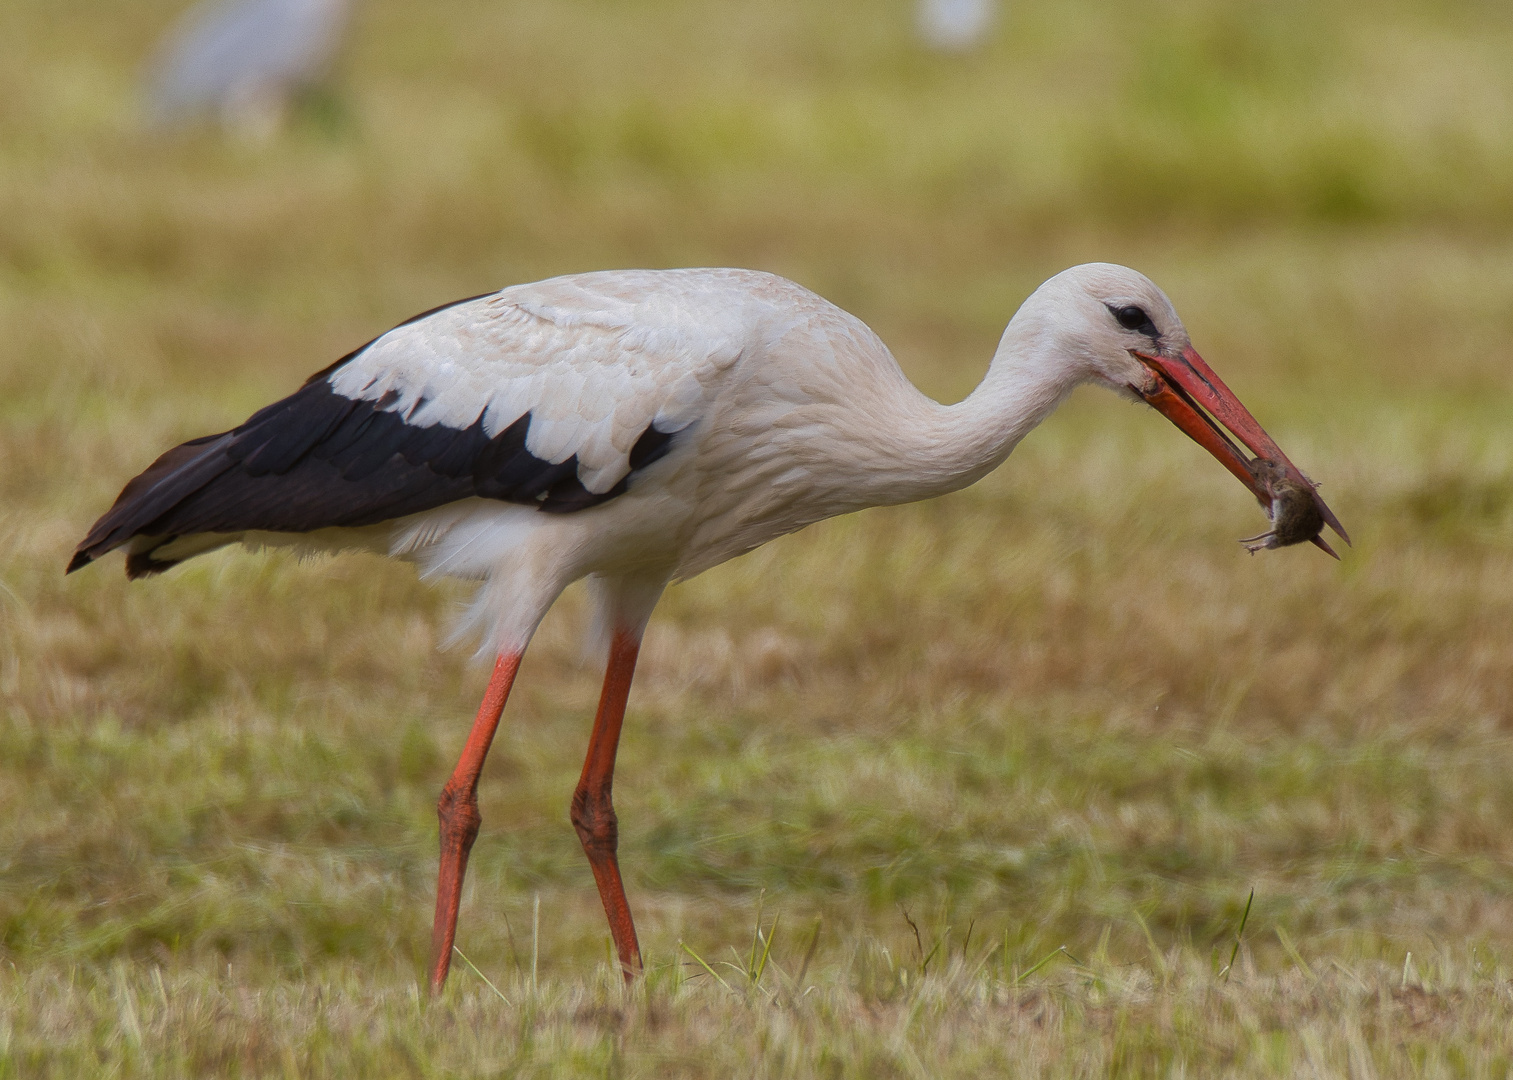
(634,428)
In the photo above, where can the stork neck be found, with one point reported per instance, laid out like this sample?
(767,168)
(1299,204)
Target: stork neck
(1025,382)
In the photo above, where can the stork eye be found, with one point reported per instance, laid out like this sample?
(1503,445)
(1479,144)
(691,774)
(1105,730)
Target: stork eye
(1133,318)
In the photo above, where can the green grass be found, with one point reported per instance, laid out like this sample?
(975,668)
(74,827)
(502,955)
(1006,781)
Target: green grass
(1061,710)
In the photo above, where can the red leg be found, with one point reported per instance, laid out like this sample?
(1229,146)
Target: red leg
(458,811)
(593,812)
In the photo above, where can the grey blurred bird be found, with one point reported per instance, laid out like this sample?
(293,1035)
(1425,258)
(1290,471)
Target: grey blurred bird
(955,25)
(241,61)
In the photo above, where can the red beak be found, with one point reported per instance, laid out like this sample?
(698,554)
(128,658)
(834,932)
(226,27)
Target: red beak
(1190,395)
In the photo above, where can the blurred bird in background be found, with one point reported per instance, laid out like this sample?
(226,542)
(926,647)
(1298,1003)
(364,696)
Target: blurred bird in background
(955,25)
(244,62)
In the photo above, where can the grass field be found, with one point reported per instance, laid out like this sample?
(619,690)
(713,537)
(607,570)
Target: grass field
(996,775)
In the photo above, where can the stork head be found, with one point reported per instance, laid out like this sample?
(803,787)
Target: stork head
(1117,328)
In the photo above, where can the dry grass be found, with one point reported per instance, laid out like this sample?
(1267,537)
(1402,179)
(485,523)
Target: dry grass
(1060,709)
(868,1016)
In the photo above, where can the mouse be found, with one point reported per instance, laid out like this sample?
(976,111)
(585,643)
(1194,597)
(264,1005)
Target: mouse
(1294,511)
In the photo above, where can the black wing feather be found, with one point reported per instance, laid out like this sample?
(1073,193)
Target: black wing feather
(319,460)
(303,420)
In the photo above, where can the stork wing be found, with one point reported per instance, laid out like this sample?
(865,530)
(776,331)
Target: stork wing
(550,395)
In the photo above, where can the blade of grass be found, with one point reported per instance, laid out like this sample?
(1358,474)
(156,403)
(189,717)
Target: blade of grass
(1293,952)
(919,943)
(509,935)
(486,980)
(993,950)
(772,934)
(1043,962)
(814,940)
(1150,940)
(756,933)
(1238,935)
(700,961)
(925,963)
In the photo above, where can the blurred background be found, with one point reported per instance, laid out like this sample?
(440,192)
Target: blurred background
(1063,705)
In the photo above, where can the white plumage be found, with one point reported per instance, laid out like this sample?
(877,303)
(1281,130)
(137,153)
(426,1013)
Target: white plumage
(790,406)
(576,353)
(784,411)
(243,59)
(637,427)
(955,25)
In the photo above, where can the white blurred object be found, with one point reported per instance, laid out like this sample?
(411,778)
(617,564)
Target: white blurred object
(955,25)
(242,60)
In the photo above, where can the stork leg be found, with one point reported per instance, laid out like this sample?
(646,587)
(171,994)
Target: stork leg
(458,813)
(593,812)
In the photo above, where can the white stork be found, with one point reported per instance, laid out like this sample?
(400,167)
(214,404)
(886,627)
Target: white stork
(635,428)
(244,60)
